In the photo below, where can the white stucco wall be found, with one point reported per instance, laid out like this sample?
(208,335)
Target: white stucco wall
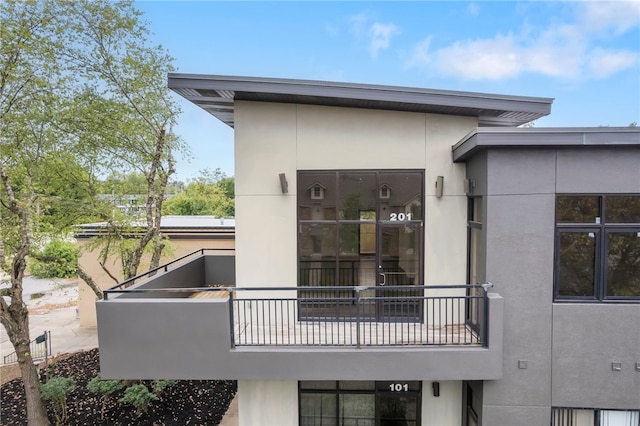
(273,138)
(267,403)
(443,410)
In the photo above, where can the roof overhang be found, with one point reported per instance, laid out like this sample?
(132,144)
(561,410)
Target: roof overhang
(561,137)
(216,95)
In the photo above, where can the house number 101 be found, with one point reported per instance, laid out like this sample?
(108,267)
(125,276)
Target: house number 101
(400,216)
(399,387)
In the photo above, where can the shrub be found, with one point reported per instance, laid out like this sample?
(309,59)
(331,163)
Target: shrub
(160,385)
(61,261)
(105,388)
(138,396)
(56,391)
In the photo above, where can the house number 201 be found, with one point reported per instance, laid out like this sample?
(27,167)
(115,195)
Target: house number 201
(399,387)
(400,216)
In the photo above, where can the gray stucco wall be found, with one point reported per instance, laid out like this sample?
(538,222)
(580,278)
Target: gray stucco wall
(201,271)
(568,348)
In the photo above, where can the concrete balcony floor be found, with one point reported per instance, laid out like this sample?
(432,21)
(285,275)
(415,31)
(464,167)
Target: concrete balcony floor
(346,333)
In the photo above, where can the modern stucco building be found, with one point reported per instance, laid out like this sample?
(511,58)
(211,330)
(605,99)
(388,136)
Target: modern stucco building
(403,257)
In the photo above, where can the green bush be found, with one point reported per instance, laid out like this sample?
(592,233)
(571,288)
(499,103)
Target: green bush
(160,385)
(56,391)
(105,388)
(138,396)
(60,261)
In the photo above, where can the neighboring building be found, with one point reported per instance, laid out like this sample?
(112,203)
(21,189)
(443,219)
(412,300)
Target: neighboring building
(370,222)
(186,234)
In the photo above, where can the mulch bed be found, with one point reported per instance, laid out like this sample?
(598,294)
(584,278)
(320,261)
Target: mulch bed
(187,402)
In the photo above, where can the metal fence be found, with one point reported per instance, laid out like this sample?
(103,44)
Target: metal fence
(40,348)
(360,316)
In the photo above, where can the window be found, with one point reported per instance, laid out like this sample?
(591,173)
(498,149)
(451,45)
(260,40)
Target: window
(597,248)
(594,417)
(359,403)
(475,262)
(360,232)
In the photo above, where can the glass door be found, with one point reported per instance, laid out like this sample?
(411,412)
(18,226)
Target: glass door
(399,266)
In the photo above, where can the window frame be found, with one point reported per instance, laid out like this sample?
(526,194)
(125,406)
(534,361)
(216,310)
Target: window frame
(378,389)
(565,416)
(601,229)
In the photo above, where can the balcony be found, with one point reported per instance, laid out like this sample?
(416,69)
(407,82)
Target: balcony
(187,320)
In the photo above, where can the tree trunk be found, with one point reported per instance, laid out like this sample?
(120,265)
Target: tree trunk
(19,336)
(90,282)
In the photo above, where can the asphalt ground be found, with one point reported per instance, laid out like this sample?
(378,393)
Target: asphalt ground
(52,307)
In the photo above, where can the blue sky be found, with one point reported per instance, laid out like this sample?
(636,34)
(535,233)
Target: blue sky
(586,55)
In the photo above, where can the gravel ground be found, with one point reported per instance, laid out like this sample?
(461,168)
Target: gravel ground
(187,402)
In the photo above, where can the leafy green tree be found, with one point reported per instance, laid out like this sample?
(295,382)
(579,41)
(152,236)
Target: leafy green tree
(211,193)
(58,259)
(82,94)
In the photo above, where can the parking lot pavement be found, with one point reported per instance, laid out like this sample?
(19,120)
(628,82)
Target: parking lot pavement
(52,307)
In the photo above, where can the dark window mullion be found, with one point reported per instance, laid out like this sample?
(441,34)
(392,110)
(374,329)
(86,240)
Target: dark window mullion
(600,268)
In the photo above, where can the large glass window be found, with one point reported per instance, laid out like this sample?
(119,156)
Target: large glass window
(359,228)
(594,417)
(359,403)
(597,247)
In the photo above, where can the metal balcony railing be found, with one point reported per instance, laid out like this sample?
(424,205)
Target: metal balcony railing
(342,316)
(360,316)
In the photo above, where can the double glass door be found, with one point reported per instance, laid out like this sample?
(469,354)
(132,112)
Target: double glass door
(361,228)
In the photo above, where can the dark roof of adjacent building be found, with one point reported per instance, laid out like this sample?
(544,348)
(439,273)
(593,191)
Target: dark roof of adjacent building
(551,137)
(216,94)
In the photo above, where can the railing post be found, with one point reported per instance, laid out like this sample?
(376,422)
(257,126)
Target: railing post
(358,317)
(231,319)
(485,326)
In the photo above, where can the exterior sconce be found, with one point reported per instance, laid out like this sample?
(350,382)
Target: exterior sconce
(284,186)
(439,186)
(436,388)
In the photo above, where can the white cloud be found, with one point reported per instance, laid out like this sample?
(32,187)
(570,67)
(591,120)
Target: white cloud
(380,37)
(566,51)
(376,35)
(618,16)
(490,59)
(473,9)
(604,63)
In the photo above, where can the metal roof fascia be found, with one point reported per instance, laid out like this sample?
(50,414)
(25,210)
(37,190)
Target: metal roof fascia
(310,88)
(556,137)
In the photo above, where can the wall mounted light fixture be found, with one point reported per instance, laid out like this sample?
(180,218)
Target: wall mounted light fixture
(439,186)
(284,186)
(436,388)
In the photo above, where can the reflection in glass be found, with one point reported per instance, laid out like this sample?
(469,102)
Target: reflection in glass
(317,409)
(576,264)
(398,410)
(622,209)
(623,264)
(357,410)
(403,195)
(357,193)
(357,385)
(573,209)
